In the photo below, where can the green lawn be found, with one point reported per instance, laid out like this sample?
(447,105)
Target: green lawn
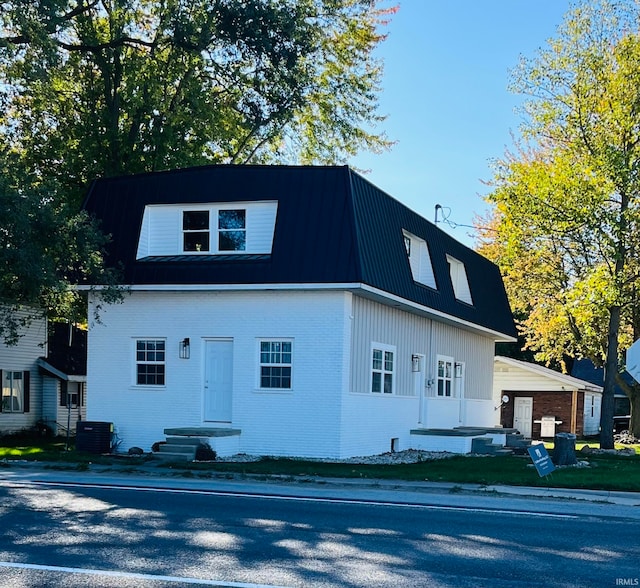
(605,472)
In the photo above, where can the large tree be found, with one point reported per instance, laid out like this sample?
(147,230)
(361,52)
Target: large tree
(107,87)
(567,205)
(44,247)
(93,88)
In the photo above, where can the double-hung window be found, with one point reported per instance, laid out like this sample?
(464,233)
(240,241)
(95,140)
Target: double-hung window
(275,364)
(13,391)
(150,362)
(445,376)
(195,230)
(382,369)
(232,230)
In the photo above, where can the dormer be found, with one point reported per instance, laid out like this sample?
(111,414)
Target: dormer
(419,260)
(459,280)
(229,228)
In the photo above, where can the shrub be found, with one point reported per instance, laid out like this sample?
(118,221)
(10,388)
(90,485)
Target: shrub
(205,453)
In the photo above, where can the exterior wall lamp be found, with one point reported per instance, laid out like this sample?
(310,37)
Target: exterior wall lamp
(415,363)
(185,348)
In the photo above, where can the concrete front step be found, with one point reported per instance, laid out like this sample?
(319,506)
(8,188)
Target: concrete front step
(486,446)
(179,449)
(174,456)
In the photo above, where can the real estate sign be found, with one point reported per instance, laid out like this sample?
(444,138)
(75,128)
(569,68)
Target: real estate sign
(541,459)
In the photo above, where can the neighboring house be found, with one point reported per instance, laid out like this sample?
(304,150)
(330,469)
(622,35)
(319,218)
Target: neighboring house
(540,402)
(64,378)
(21,405)
(586,370)
(43,379)
(294,310)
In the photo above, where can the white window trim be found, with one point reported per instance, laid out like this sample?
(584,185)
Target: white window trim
(290,365)
(214,230)
(384,348)
(446,359)
(134,352)
(206,231)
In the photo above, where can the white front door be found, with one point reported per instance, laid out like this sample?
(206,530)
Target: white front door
(522,411)
(218,381)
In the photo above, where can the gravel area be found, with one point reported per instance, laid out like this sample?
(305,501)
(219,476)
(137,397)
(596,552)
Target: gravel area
(397,457)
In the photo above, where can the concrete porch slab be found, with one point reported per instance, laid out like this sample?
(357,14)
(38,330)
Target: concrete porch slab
(202,432)
(466,432)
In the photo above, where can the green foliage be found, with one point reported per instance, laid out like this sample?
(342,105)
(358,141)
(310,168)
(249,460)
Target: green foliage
(118,86)
(567,207)
(114,87)
(44,247)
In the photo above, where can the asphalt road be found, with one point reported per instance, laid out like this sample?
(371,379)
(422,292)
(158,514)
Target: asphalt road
(68,531)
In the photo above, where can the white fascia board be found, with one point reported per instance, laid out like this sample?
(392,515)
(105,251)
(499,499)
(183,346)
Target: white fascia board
(365,289)
(226,287)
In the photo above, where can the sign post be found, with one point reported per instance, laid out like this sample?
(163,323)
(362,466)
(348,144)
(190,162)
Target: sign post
(541,459)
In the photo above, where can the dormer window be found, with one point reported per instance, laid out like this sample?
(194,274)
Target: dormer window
(232,233)
(208,229)
(195,228)
(419,259)
(459,280)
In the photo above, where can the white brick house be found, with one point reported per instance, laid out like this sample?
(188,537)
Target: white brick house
(299,309)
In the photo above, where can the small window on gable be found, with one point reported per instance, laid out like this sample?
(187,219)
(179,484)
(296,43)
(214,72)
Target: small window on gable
(459,280)
(232,230)
(195,230)
(419,260)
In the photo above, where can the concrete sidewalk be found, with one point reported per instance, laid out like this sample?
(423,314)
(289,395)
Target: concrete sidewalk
(159,477)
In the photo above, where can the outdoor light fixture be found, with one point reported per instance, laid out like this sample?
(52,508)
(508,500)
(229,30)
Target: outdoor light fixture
(458,370)
(185,348)
(415,363)
(504,401)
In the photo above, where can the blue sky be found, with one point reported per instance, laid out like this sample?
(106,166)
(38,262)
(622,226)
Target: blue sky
(446,96)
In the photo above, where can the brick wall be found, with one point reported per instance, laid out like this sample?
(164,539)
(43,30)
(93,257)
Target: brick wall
(557,404)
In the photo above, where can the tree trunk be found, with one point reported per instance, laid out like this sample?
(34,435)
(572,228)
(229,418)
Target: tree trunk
(634,424)
(610,371)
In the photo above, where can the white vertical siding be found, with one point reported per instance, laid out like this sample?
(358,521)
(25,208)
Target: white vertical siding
(412,334)
(475,351)
(392,417)
(374,322)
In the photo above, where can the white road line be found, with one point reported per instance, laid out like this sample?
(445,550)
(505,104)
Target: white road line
(133,576)
(357,501)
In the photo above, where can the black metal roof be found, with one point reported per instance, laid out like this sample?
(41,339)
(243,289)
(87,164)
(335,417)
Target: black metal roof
(332,226)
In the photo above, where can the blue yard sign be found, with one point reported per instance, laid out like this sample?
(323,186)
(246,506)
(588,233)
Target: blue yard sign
(541,459)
